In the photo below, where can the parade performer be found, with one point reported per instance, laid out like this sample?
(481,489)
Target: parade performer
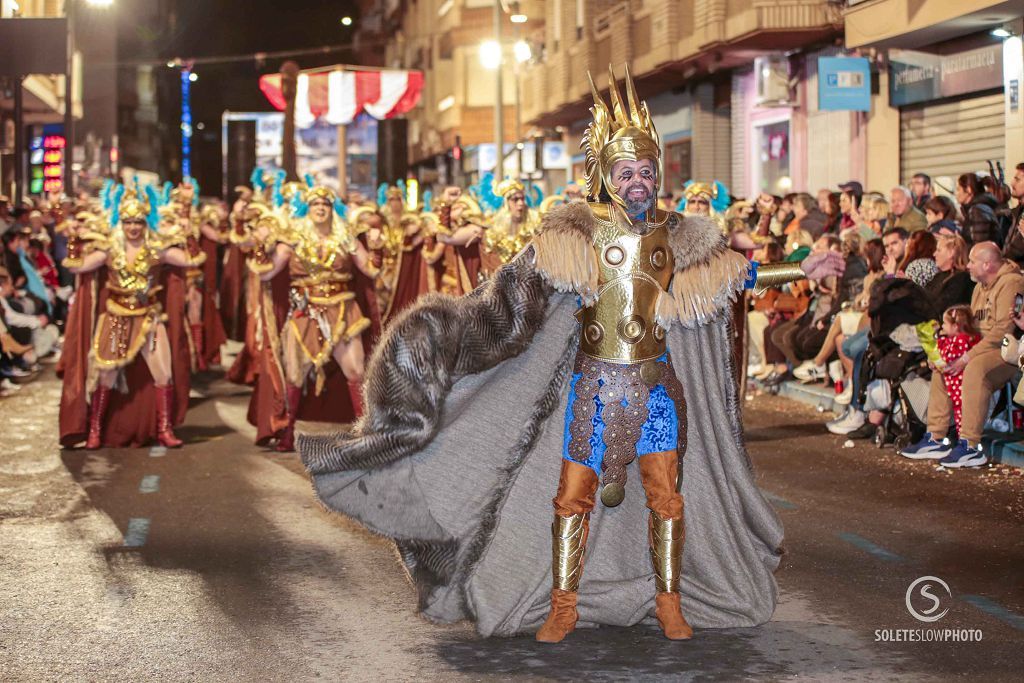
(233,303)
(462,227)
(613,318)
(143,316)
(83,231)
(404,267)
(511,227)
(209,334)
(324,322)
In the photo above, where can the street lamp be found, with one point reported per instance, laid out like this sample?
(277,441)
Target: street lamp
(522,51)
(490,55)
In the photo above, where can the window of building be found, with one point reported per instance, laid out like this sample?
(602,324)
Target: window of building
(678,165)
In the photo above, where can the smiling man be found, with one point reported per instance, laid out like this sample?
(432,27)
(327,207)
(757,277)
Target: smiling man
(570,373)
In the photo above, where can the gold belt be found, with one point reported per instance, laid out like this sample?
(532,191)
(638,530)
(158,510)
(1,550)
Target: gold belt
(128,303)
(327,293)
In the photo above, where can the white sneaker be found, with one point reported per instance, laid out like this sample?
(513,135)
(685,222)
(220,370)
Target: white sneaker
(851,421)
(846,396)
(809,372)
(755,369)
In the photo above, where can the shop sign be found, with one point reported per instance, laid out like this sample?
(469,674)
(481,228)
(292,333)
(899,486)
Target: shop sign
(921,76)
(844,84)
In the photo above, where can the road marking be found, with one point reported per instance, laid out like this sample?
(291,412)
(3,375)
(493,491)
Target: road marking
(150,484)
(780,502)
(157,451)
(867,546)
(138,530)
(996,610)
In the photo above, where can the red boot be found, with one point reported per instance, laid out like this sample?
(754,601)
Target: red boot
(286,444)
(355,392)
(100,401)
(164,431)
(197,341)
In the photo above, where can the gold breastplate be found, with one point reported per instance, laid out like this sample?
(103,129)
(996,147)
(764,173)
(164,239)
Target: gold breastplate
(632,271)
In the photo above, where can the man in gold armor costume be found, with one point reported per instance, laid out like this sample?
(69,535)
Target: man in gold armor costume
(615,317)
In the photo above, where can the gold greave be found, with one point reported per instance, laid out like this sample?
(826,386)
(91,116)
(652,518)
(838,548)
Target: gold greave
(568,543)
(667,552)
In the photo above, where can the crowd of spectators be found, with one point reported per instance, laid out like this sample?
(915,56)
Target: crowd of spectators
(910,336)
(34,289)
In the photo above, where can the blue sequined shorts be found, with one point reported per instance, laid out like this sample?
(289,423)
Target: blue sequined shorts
(660,432)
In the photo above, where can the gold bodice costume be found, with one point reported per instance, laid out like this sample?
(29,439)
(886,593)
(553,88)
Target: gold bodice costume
(132,309)
(323,307)
(632,272)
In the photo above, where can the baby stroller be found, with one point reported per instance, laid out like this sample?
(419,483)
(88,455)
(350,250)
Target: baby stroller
(895,380)
(897,384)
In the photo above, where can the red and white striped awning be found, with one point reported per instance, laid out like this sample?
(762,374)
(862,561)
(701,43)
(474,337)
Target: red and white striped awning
(339,95)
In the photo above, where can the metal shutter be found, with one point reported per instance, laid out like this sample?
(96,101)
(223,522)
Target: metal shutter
(953,137)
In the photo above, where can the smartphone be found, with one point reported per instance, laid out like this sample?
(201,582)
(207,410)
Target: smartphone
(1018,304)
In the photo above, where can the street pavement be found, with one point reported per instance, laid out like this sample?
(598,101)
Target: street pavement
(214,562)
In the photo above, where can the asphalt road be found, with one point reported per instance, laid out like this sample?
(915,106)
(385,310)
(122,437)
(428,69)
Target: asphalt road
(213,562)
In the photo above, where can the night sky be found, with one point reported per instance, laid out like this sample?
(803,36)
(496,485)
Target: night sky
(247,27)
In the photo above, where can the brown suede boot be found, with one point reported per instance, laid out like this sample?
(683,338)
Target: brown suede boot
(667,557)
(670,616)
(98,408)
(569,543)
(561,619)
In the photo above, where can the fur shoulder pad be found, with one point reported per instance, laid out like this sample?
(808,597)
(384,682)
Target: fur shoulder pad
(563,250)
(709,275)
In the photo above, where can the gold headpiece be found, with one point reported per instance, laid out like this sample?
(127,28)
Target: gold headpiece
(210,214)
(694,189)
(132,208)
(616,135)
(289,189)
(320,192)
(394,192)
(507,187)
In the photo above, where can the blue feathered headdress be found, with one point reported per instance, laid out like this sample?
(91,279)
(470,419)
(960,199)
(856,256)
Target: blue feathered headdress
(428,198)
(299,206)
(115,204)
(256,178)
(153,217)
(278,196)
(106,195)
(535,197)
(382,194)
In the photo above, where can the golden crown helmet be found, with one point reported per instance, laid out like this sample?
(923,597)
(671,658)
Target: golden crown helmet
(507,187)
(289,189)
(132,208)
(618,134)
(394,193)
(320,193)
(696,189)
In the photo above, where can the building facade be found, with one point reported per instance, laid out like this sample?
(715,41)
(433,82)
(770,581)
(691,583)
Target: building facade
(948,99)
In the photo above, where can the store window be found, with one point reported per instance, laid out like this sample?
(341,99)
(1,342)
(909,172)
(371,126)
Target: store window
(771,168)
(678,165)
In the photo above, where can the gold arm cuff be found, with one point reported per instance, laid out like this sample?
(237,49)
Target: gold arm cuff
(775,274)
(666,552)
(569,541)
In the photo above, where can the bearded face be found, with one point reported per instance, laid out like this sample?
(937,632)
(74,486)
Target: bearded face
(635,183)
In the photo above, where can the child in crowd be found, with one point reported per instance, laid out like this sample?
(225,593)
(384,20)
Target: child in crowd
(958,335)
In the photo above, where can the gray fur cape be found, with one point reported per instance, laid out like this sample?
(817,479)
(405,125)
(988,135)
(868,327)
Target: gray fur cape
(458,456)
